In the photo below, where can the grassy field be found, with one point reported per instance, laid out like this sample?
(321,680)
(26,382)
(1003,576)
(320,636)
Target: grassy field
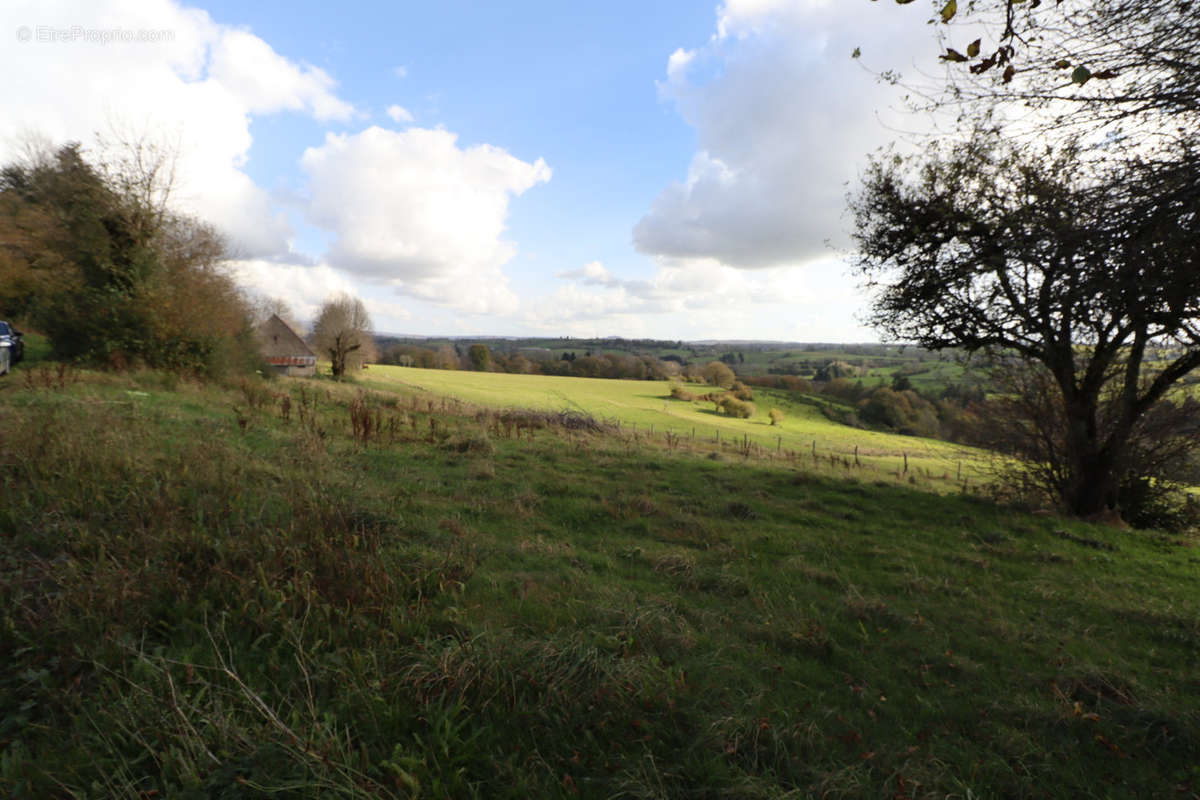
(647,407)
(297,589)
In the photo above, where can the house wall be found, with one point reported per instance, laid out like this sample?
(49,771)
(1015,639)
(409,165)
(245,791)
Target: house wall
(293,371)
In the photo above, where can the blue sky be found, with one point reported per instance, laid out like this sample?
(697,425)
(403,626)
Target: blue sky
(671,169)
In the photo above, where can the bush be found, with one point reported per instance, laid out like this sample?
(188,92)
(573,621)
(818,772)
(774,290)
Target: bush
(776,416)
(741,391)
(734,407)
(680,393)
(905,412)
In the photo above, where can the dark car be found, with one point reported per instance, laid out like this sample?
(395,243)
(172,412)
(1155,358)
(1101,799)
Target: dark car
(11,337)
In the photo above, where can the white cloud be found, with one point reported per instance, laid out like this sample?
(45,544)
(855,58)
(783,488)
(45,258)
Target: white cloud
(703,298)
(414,210)
(592,274)
(677,285)
(196,87)
(386,309)
(782,115)
(678,63)
(303,287)
(399,114)
(400,72)
(265,82)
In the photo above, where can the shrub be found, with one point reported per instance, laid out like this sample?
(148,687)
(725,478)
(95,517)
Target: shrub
(905,412)
(741,391)
(734,407)
(776,416)
(680,393)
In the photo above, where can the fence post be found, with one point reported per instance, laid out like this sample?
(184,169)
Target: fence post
(906,463)
(857,463)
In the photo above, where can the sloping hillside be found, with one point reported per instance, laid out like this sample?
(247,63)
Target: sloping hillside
(295,589)
(646,406)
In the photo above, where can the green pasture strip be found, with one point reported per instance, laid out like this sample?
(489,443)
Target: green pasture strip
(648,403)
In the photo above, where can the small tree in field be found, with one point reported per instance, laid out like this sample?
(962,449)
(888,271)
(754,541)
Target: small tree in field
(343,330)
(717,374)
(776,416)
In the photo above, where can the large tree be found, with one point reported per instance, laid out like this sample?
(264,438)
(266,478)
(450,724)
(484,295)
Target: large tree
(1062,259)
(343,330)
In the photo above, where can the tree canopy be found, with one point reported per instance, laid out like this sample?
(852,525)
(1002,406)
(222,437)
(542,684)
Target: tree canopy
(1067,261)
(93,257)
(343,330)
(1082,62)
(1058,225)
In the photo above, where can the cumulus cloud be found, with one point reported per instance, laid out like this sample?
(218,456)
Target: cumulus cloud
(413,209)
(265,82)
(782,116)
(677,286)
(704,298)
(195,85)
(399,114)
(592,274)
(304,287)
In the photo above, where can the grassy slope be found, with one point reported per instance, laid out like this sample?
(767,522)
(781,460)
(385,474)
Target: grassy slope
(202,599)
(646,403)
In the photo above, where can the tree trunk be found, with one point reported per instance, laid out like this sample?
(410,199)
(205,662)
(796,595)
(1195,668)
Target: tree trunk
(1093,480)
(337,360)
(1093,488)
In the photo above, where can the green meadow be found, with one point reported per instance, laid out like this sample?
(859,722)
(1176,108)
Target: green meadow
(305,589)
(647,408)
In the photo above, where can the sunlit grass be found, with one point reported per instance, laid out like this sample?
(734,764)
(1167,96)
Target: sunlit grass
(647,406)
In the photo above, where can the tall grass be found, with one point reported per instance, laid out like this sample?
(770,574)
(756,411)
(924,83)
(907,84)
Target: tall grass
(373,595)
